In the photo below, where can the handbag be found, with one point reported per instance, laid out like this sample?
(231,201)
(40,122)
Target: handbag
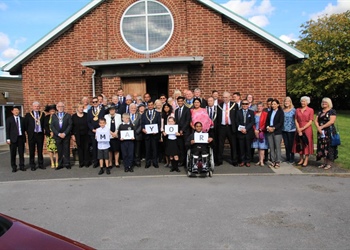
(335,138)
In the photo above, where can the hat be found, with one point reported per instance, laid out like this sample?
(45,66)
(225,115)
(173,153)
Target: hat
(112,107)
(128,97)
(50,107)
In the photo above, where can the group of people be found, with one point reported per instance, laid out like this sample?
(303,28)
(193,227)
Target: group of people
(133,127)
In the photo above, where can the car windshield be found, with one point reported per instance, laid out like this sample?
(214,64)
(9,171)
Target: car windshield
(5,225)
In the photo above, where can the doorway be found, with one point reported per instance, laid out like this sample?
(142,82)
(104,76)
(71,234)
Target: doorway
(157,85)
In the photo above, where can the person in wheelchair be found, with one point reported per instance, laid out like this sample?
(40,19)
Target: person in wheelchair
(199,150)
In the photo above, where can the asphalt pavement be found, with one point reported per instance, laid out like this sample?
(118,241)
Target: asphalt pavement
(238,208)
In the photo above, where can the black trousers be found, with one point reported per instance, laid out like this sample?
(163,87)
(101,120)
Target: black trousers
(14,146)
(83,150)
(36,143)
(63,151)
(288,139)
(151,143)
(127,148)
(226,132)
(94,150)
(245,144)
(137,151)
(182,148)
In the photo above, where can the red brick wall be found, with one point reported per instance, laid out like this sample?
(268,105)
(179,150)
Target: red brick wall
(234,59)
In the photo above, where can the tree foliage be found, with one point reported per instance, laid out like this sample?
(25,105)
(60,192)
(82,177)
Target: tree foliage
(327,70)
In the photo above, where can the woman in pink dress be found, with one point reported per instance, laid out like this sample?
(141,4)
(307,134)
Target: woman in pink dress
(303,143)
(199,114)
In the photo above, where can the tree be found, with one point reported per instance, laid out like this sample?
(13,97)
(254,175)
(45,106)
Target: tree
(327,70)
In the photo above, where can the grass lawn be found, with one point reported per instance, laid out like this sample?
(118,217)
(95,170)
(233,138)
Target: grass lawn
(342,123)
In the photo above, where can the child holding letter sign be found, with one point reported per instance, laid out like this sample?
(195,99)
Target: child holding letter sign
(171,149)
(103,137)
(199,148)
(127,137)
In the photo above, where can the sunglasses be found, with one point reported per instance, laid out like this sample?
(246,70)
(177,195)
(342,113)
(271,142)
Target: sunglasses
(245,103)
(95,102)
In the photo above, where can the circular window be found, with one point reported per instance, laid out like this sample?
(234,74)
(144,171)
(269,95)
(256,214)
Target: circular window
(147,26)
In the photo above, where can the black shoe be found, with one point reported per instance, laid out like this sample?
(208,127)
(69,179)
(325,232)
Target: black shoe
(80,166)
(58,168)
(22,169)
(14,170)
(33,168)
(68,167)
(117,166)
(108,171)
(101,171)
(172,170)
(156,166)
(126,170)
(131,170)
(218,164)
(147,166)
(87,165)
(42,167)
(95,165)
(177,170)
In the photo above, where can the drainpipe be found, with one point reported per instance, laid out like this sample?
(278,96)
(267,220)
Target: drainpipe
(93,83)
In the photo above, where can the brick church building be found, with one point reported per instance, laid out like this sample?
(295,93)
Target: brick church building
(153,46)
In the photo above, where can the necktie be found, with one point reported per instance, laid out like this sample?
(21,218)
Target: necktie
(180,109)
(61,120)
(226,114)
(211,113)
(244,116)
(18,128)
(127,109)
(132,118)
(36,122)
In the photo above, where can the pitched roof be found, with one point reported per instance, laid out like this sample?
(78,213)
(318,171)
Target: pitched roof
(15,66)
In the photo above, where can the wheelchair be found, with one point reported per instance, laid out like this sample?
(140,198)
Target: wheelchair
(202,165)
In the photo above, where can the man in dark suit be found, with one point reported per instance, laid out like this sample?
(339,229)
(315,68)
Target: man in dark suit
(151,117)
(215,95)
(61,126)
(226,125)
(121,101)
(212,112)
(34,124)
(15,137)
(94,114)
(183,120)
(245,123)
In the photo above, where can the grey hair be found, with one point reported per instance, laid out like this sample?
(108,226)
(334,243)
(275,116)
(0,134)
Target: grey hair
(306,98)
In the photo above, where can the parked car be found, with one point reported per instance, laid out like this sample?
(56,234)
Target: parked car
(17,234)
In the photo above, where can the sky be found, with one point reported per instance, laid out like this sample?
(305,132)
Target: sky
(24,22)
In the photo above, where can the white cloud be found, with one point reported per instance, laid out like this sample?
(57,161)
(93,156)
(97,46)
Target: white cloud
(256,11)
(3,6)
(10,53)
(261,21)
(340,7)
(4,41)
(288,38)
